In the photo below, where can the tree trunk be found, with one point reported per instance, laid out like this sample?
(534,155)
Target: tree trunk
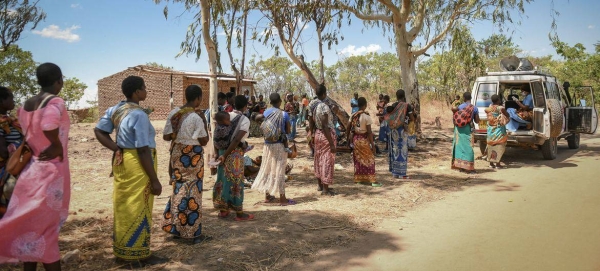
(211,49)
(321,57)
(409,77)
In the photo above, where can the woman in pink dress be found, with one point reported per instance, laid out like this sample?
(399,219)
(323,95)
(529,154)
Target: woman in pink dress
(40,202)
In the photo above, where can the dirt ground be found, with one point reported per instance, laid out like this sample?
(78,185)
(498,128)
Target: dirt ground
(280,237)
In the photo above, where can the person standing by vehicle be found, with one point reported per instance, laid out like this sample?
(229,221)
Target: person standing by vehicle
(186,130)
(463,157)
(324,140)
(497,118)
(40,203)
(134,167)
(398,136)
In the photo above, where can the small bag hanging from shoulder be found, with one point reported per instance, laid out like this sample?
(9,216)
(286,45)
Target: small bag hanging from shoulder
(21,157)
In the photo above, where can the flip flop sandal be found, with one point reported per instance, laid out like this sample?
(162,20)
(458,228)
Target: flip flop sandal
(247,218)
(376,184)
(289,202)
(405,177)
(270,199)
(224,215)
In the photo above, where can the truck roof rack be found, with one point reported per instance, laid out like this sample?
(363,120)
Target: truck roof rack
(532,72)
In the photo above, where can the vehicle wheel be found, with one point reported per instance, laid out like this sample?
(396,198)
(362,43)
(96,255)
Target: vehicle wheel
(556,117)
(573,141)
(550,148)
(482,146)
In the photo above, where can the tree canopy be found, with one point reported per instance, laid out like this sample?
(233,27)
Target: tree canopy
(17,72)
(15,15)
(72,91)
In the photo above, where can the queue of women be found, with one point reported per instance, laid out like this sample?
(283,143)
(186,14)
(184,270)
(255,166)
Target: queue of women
(38,207)
(463,156)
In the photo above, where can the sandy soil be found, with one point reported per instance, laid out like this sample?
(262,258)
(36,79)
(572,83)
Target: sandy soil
(535,215)
(283,238)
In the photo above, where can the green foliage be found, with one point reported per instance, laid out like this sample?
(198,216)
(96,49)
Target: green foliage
(274,74)
(159,66)
(379,73)
(17,72)
(579,68)
(15,15)
(452,72)
(72,91)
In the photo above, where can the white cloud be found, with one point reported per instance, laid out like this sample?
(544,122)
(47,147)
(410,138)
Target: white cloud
(75,6)
(54,32)
(591,26)
(352,50)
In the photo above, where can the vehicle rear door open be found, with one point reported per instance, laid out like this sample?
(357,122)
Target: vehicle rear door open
(483,99)
(583,116)
(541,116)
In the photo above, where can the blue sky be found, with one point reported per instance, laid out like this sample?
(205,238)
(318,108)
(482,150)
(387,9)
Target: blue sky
(92,39)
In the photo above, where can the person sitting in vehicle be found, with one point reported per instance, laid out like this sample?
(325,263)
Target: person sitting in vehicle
(520,116)
(527,104)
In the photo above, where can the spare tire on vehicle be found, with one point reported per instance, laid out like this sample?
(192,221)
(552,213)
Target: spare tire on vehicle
(556,117)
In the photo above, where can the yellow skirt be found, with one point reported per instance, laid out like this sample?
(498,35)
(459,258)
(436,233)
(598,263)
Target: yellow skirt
(132,203)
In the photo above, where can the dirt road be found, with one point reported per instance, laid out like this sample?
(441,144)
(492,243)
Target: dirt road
(537,215)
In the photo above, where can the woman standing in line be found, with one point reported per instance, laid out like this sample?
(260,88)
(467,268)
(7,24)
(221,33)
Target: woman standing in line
(463,157)
(187,132)
(40,203)
(11,137)
(497,118)
(398,137)
(228,192)
(134,168)
(271,175)
(363,152)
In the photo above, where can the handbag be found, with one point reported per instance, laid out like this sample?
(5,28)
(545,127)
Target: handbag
(294,153)
(21,157)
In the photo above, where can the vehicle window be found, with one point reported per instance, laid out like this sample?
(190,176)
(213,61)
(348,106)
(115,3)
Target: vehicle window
(552,91)
(484,94)
(538,94)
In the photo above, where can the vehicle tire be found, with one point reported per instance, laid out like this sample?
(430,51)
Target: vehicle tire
(483,147)
(573,141)
(550,148)
(556,117)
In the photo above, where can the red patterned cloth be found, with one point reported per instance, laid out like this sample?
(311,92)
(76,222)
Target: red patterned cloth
(324,159)
(364,159)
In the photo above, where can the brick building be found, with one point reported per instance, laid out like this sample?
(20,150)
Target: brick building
(165,88)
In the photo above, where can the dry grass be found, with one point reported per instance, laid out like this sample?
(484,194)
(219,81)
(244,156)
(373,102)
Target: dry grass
(280,237)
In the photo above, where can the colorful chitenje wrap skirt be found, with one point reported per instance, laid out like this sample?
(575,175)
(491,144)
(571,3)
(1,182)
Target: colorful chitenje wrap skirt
(132,203)
(183,214)
(324,159)
(384,131)
(228,192)
(496,135)
(364,159)
(463,156)
(398,153)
